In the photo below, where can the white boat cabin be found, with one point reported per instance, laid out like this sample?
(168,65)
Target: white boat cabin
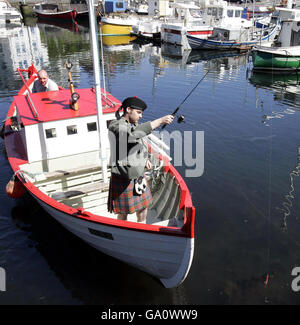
(290,29)
(52,131)
(226,16)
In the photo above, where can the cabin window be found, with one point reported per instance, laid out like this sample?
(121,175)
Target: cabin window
(71,129)
(196,13)
(238,13)
(220,12)
(215,12)
(50,133)
(91,126)
(230,13)
(209,11)
(119,5)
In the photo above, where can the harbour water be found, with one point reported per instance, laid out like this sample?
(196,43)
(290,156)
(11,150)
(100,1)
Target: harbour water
(247,230)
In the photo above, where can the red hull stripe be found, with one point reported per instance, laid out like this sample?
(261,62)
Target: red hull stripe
(178,32)
(202,32)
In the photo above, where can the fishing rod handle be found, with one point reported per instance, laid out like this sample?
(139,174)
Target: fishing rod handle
(174,113)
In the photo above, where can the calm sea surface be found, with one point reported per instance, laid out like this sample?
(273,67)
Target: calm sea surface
(247,200)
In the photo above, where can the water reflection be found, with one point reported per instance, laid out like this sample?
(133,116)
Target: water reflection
(89,275)
(287,204)
(63,44)
(215,60)
(19,46)
(118,41)
(285,86)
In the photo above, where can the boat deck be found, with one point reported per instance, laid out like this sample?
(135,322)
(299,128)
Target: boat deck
(83,188)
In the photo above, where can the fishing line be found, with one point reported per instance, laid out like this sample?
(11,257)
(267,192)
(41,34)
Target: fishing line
(288,204)
(269,209)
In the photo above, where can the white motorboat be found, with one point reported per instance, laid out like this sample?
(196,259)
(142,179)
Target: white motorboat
(186,19)
(9,14)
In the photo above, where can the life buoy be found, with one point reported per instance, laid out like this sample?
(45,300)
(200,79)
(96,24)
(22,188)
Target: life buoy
(15,188)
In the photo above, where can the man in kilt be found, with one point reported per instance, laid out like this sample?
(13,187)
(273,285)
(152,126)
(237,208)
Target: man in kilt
(129,159)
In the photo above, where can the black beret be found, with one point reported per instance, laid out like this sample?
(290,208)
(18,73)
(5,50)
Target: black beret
(134,102)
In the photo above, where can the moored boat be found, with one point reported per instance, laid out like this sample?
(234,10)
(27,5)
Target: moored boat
(148,29)
(186,20)
(51,11)
(240,39)
(117,25)
(9,14)
(282,58)
(285,55)
(52,141)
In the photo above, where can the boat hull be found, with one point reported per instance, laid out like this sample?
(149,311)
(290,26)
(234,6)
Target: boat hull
(111,26)
(65,15)
(167,258)
(116,30)
(206,44)
(275,59)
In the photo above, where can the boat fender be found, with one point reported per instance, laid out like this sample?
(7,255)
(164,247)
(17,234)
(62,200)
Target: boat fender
(15,188)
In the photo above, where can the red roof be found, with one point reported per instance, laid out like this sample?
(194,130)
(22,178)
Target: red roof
(55,105)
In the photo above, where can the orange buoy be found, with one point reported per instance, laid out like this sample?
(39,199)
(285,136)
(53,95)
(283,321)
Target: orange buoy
(15,188)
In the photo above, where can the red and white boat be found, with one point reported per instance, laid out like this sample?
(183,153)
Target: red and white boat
(52,12)
(52,141)
(187,20)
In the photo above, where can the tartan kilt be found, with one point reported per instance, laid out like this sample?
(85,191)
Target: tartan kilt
(122,199)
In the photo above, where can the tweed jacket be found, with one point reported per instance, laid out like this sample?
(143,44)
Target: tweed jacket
(129,153)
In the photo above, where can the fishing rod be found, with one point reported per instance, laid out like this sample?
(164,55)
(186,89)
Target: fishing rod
(181,117)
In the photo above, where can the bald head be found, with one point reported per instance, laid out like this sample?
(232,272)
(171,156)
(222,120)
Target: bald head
(43,77)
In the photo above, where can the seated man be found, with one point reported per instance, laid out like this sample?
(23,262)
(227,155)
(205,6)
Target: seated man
(43,83)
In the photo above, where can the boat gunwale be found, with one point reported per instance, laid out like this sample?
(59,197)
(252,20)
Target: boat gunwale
(276,51)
